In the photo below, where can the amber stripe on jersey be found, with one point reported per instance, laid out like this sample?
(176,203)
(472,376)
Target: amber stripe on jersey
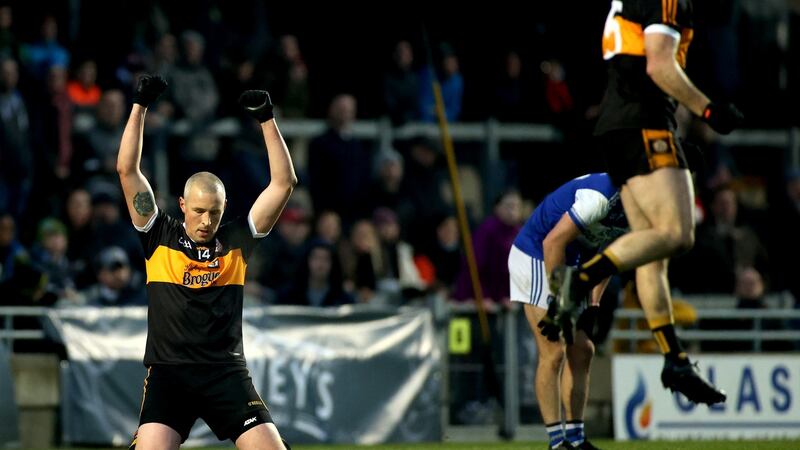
(168,265)
(144,395)
(669,11)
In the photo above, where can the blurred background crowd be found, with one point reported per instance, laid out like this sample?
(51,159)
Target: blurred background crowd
(368,223)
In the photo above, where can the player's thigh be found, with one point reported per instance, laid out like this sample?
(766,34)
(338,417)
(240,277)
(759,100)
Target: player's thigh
(156,436)
(665,197)
(633,212)
(230,404)
(549,351)
(262,437)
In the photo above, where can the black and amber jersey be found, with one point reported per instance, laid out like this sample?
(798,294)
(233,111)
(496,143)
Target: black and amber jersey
(195,291)
(632,99)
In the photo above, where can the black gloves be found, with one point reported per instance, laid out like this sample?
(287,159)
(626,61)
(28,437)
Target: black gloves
(556,322)
(257,104)
(723,117)
(148,90)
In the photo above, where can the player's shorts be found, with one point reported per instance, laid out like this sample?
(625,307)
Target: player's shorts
(528,279)
(222,395)
(633,152)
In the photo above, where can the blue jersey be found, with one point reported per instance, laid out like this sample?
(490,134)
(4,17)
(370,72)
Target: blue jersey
(592,203)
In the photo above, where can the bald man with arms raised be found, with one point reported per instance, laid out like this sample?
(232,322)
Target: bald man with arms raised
(195,278)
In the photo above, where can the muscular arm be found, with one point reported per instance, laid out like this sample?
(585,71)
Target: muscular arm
(556,241)
(138,193)
(667,74)
(270,202)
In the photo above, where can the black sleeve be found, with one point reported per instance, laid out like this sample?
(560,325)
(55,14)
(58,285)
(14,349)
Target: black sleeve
(672,13)
(156,233)
(238,234)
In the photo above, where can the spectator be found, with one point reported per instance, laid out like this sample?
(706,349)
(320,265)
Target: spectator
(329,227)
(78,220)
(445,253)
(53,136)
(362,261)
(117,283)
(401,86)
(83,91)
(41,56)
(388,188)
(749,291)
(339,165)
(193,91)
(12,253)
(510,91)
(293,89)
(784,243)
(165,54)
(399,277)
(557,94)
(109,229)
(50,255)
(9,45)
(492,241)
(724,246)
(100,144)
(280,258)
(318,281)
(425,191)
(16,161)
(452,87)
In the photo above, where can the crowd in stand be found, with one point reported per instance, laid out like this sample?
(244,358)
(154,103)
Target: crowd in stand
(367,224)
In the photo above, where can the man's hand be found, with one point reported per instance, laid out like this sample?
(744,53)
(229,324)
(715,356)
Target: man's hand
(148,90)
(556,322)
(723,117)
(257,104)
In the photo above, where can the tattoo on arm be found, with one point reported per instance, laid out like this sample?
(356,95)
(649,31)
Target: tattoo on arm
(143,203)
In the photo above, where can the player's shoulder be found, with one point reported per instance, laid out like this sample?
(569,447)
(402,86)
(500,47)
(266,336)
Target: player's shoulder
(160,221)
(600,182)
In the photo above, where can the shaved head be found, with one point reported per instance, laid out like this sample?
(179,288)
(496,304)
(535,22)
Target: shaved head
(203,203)
(206,182)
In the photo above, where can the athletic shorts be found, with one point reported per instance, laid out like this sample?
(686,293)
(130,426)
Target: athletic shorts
(222,395)
(528,279)
(633,152)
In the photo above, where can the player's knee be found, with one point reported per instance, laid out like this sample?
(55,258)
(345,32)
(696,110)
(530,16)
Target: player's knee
(552,359)
(679,239)
(582,353)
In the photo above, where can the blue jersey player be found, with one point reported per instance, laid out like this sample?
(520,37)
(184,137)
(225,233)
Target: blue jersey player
(570,225)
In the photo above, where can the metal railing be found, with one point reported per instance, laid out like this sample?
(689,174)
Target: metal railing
(757,334)
(8,334)
(490,132)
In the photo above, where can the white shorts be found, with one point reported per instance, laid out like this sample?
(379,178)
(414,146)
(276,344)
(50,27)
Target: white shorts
(528,279)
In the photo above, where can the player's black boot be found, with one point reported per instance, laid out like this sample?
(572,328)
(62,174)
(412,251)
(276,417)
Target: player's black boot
(564,446)
(586,445)
(684,377)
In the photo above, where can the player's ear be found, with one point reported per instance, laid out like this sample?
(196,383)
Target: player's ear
(182,204)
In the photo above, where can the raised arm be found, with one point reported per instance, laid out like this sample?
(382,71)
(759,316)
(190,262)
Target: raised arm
(269,204)
(138,193)
(667,74)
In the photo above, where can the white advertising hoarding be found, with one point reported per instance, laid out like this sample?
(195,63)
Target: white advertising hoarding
(763,399)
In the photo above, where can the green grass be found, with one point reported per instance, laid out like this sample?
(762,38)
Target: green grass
(603,444)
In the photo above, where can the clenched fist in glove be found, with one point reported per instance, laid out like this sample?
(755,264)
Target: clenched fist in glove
(148,90)
(257,104)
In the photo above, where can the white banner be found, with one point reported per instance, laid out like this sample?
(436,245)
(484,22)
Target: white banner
(353,374)
(763,399)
